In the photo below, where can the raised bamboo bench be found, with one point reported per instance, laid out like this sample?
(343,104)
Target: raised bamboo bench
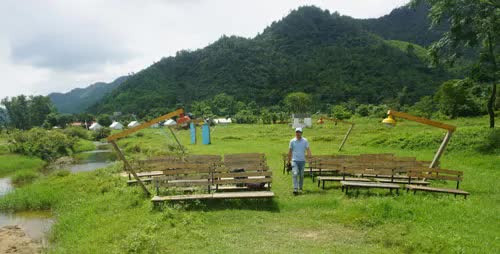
(436,174)
(218,195)
(244,173)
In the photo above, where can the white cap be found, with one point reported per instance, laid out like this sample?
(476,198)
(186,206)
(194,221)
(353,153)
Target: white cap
(298,129)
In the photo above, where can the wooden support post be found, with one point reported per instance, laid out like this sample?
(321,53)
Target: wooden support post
(128,167)
(440,151)
(176,140)
(345,137)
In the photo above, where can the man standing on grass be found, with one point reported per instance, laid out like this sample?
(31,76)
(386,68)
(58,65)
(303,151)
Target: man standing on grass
(296,157)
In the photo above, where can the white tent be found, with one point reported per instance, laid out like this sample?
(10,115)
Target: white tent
(133,124)
(116,126)
(223,121)
(170,122)
(156,125)
(95,126)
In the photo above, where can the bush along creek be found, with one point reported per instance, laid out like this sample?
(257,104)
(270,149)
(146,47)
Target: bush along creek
(28,156)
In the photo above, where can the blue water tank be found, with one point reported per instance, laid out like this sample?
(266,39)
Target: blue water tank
(205,134)
(192,128)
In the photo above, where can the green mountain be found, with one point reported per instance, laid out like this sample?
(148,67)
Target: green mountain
(335,58)
(406,24)
(79,99)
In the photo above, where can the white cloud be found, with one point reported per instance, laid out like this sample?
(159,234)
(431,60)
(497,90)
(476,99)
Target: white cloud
(48,46)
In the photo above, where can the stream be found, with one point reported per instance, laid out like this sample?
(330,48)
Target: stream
(36,224)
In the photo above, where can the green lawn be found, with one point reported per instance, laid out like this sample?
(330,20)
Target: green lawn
(97,213)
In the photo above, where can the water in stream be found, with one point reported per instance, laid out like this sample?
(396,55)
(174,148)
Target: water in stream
(34,223)
(37,223)
(92,160)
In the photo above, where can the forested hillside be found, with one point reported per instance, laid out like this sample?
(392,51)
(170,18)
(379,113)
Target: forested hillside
(79,99)
(406,23)
(330,56)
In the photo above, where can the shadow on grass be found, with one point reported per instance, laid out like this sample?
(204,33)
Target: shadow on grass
(269,205)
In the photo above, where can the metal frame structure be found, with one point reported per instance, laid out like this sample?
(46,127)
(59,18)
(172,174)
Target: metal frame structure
(111,139)
(449,130)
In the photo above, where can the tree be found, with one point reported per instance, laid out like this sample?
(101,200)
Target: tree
(454,99)
(298,102)
(474,24)
(4,118)
(17,109)
(64,119)
(39,108)
(104,120)
(224,105)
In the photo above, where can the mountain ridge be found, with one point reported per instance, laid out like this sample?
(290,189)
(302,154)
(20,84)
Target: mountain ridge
(284,46)
(331,56)
(78,99)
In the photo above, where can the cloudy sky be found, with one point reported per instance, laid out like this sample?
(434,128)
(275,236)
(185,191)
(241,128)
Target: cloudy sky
(55,46)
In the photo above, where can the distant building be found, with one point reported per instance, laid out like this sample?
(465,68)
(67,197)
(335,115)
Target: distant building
(222,121)
(95,127)
(133,124)
(76,124)
(116,126)
(170,122)
(301,120)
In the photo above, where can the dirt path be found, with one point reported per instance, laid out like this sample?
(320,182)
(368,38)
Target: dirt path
(14,240)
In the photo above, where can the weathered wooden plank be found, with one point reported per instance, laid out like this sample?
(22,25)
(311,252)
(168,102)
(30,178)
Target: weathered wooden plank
(340,178)
(435,177)
(401,181)
(445,171)
(185,177)
(244,155)
(231,195)
(433,189)
(245,194)
(186,171)
(370,185)
(181,197)
(184,184)
(246,180)
(243,174)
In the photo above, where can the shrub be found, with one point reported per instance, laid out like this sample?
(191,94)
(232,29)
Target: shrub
(266,116)
(101,133)
(363,110)
(341,112)
(245,116)
(46,144)
(425,107)
(77,132)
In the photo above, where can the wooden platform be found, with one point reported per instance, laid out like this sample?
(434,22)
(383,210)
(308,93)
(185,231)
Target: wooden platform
(144,180)
(349,184)
(225,195)
(323,179)
(416,188)
(401,181)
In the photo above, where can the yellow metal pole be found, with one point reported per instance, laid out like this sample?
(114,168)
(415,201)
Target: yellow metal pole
(128,167)
(345,137)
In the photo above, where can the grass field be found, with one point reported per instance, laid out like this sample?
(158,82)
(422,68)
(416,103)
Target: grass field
(97,213)
(12,163)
